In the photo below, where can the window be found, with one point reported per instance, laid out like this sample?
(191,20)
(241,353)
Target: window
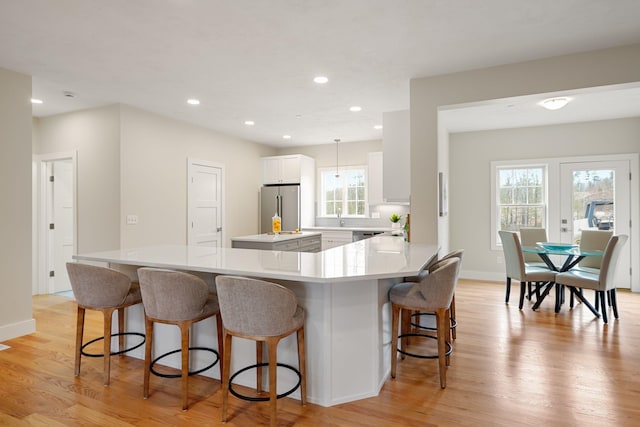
(520,198)
(344,194)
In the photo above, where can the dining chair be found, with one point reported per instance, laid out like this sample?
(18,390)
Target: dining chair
(266,313)
(530,236)
(105,290)
(593,240)
(180,299)
(517,269)
(600,280)
(433,294)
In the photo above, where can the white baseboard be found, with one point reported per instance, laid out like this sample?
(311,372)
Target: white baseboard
(16,330)
(483,275)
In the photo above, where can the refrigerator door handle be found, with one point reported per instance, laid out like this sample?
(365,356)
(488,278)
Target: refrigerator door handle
(279,204)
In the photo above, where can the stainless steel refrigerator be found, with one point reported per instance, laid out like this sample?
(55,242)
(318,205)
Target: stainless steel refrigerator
(283,199)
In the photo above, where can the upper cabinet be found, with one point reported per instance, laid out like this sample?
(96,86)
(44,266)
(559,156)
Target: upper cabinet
(396,182)
(375,178)
(289,169)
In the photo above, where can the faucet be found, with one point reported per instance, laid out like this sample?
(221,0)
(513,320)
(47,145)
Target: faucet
(340,220)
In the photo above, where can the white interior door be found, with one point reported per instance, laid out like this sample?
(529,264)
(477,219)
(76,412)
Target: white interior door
(60,219)
(205,204)
(605,185)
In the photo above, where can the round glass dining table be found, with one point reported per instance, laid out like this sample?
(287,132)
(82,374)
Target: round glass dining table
(568,256)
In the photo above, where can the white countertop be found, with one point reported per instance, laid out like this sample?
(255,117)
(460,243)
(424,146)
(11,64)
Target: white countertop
(376,258)
(272,238)
(383,229)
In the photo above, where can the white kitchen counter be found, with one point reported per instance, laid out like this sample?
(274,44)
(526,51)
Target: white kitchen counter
(273,238)
(344,291)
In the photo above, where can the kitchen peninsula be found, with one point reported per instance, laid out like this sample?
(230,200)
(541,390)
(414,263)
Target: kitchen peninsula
(344,291)
(302,241)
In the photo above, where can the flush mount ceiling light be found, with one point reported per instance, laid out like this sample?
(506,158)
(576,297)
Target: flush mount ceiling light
(555,103)
(377,127)
(286,136)
(355,108)
(36,101)
(249,122)
(320,80)
(193,101)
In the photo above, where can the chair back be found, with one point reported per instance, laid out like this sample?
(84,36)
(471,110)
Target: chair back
(458,253)
(513,258)
(438,287)
(610,259)
(529,236)
(172,295)
(594,240)
(97,287)
(256,307)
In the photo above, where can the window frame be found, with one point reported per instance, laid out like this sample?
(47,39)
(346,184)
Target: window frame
(496,167)
(342,171)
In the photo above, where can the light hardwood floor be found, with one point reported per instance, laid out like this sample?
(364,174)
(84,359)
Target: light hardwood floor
(509,368)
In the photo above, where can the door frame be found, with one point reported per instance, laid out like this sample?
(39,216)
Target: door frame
(191,163)
(40,283)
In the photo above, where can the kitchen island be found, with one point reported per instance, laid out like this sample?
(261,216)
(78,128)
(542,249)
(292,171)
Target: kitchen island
(301,241)
(344,292)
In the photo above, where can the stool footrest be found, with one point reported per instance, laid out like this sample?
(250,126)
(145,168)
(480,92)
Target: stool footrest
(159,374)
(420,356)
(454,322)
(113,353)
(263,399)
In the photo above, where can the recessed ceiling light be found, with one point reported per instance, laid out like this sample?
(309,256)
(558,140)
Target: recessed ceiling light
(249,122)
(298,116)
(193,101)
(377,127)
(555,103)
(36,101)
(355,108)
(321,80)
(286,136)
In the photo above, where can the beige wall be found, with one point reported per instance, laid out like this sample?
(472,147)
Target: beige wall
(589,69)
(15,189)
(154,152)
(470,174)
(95,137)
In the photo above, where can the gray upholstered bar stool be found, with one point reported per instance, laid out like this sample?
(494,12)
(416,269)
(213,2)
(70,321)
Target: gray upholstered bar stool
(432,294)
(104,290)
(264,312)
(180,299)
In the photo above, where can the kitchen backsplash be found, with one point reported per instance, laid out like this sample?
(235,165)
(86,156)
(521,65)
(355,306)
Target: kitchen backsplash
(378,217)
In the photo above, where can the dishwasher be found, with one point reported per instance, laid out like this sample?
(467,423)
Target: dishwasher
(361,234)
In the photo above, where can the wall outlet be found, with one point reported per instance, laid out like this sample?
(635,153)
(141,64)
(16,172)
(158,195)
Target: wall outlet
(499,260)
(132,219)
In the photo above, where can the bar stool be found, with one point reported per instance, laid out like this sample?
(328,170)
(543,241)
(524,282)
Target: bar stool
(104,290)
(433,294)
(180,299)
(266,313)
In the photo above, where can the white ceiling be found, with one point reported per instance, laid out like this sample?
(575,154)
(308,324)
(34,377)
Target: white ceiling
(255,60)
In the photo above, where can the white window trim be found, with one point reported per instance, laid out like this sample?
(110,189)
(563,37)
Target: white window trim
(496,245)
(341,170)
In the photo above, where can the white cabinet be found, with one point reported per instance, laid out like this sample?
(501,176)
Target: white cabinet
(375,178)
(285,169)
(396,159)
(331,239)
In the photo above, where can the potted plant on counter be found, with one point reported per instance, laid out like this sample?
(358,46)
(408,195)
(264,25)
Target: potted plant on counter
(395,221)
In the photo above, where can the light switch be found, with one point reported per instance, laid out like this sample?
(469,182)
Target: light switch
(132,219)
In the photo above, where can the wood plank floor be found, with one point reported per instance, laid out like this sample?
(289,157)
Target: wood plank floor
(509,368)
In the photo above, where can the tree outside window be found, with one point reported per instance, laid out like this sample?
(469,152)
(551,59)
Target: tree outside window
(521,197)
(343,194)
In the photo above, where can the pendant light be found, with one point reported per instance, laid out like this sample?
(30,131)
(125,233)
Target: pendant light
(337,172)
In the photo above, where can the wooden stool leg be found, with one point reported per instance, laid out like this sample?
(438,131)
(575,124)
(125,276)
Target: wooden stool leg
(121,330)
(184,332)
(447,333)
(405,328)
(226,370)
(108,314)
(259,358)
(395,319)
(453,316)
(79,332)
(272,345)
(219,329)
(147,355)
(441,322)
(302,366)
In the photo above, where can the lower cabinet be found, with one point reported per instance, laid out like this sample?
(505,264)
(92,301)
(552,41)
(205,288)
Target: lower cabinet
(331,239)
(301,244)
